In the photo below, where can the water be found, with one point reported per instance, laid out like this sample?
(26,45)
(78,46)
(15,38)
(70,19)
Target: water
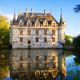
(38,63)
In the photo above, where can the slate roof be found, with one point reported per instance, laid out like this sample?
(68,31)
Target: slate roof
(35,16)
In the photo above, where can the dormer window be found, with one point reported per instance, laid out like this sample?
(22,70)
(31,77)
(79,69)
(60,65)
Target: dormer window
(49,23)
(41,23)
(29,24)
(45,23)
(33,23)
(21,23)
(37,24)
(25,23)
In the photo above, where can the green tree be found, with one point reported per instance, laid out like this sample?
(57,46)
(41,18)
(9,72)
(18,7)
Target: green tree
(77,8)
(4,31)
(68,40)
(76,42)
(4,24)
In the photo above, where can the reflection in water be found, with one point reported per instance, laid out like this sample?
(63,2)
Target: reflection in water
(4,63)
(47,63)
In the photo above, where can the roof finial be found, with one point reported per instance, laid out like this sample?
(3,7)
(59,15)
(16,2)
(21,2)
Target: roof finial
(26,12)
(44,11)
(18,11)
(61,17)
(62,22)
(31,11)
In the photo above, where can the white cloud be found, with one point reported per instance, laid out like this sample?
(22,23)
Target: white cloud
(8,15)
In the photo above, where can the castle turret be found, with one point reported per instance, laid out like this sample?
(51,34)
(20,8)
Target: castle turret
(14,18)
(61,30)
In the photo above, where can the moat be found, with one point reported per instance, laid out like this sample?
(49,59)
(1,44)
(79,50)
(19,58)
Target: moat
(38,64)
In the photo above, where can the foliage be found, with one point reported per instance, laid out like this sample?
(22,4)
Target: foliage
(68,40)
(4,24)
(77,8)
(76,42)
(4,31)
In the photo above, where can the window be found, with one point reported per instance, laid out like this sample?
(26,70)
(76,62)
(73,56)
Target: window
(21,39)
(29,32)
(21,58)
(49,23)
(37,58)
(33,23)
(21,32)
(53,39)
(37,32)
(53,32)
(37,39)
(45,39)
(41,23)
(45,32)
(21,65)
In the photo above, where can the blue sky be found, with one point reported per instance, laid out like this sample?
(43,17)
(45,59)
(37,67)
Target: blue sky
(71,18)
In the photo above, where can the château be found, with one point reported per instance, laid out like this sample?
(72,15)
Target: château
(36,30)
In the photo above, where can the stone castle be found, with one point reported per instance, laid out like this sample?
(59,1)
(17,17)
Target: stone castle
(36,30)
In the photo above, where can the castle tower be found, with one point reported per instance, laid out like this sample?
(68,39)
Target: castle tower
(61,65)
(61,30)
(14,18)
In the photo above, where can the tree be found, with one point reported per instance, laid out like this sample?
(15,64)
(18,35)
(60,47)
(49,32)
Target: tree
(77,8)
(68,40)
(4,24)
(4,31)
(76,42)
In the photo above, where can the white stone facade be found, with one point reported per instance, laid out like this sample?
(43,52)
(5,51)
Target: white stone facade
(36,34)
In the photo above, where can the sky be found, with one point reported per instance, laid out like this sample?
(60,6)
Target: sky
(71,18)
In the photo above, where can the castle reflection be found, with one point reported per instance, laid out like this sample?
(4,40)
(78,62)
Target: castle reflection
(25,63)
